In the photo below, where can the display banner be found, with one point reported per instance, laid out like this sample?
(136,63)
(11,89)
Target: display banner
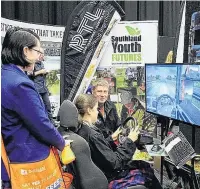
(51,41)
(86,37)
(131,45)
(179,39)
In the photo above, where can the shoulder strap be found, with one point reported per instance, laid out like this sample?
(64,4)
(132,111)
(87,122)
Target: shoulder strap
(5,157)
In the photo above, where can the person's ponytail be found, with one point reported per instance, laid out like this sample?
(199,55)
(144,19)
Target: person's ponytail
(80,119)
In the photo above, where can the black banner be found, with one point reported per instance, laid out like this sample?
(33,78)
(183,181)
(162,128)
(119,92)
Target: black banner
(85,29)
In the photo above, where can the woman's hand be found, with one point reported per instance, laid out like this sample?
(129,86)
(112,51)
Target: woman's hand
(116,133)
(133,135)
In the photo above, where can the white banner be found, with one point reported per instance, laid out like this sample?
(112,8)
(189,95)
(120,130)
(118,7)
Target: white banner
(133,43)
(180,48)
(51,41)
(50,36)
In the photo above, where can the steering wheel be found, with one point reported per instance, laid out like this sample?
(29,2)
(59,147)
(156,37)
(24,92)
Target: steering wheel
(165,105)
(144,137)
(126,128)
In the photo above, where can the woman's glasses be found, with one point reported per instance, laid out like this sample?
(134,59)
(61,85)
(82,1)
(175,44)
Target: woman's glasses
(37,51)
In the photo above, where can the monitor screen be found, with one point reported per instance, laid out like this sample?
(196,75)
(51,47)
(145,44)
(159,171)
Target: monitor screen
(173,90)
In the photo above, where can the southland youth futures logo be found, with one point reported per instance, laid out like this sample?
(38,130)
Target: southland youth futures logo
(127,48)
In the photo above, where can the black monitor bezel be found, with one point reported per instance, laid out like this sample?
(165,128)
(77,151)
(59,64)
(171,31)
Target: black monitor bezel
(165,64)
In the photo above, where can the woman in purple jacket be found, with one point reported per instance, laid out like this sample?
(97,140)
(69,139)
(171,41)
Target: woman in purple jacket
(25,127)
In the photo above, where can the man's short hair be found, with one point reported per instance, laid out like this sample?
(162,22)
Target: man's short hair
(100,82)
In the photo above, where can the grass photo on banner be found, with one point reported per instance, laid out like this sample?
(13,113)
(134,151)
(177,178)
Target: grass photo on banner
(127,91)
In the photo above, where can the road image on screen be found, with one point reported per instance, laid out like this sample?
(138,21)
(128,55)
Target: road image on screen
(173,90)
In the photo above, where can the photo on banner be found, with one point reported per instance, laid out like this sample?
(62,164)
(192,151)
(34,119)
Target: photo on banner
(132,44)
(51,41)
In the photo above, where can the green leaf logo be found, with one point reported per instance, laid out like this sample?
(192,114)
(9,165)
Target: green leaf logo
(132,31)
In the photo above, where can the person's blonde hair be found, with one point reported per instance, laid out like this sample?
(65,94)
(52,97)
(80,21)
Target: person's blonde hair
(100,82)
(83,102)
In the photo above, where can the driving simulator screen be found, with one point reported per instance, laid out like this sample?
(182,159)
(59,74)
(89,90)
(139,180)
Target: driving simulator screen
(173,90)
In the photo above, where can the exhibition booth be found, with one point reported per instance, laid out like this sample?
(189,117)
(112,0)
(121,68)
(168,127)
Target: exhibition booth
(154,83)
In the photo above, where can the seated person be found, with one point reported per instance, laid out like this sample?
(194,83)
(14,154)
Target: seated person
(108,120)
(116,164)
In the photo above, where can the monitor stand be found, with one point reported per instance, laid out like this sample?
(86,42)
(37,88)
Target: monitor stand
(165,123)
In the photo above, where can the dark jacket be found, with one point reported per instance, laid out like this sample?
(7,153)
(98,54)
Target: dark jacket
(112,163)
(111,121)
(40,80)
(25,127)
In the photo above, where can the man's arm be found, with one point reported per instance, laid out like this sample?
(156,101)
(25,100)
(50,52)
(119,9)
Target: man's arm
(40,72)
(36,73)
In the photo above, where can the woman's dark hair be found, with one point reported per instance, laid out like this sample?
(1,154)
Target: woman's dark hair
(15,41)
(8,35)
(83,102)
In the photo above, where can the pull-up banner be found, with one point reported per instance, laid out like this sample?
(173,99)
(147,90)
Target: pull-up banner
(132,43)
(86,36)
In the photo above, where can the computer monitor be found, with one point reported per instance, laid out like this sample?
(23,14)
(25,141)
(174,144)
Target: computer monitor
(173,90)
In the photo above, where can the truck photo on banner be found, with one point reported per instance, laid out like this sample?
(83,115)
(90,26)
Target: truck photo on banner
(51,41)
(132,44)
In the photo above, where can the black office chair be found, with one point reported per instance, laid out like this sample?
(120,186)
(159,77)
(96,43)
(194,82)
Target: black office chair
(87,174)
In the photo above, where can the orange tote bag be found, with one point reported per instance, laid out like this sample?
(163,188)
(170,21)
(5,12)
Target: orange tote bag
(44,174)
